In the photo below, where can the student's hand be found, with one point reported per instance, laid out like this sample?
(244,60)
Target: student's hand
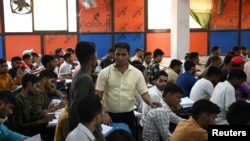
(62,104)
(107,119)
(47,118)
(155,104)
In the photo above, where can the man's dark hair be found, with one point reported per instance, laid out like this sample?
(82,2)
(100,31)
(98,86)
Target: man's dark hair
(172,88)
(140,67)
(236,48)
(70,50)
(123,45)
(28,77)
(237,74)
(188,65)
(46,59)
(89,107)
(121,135)
(16,58)
(212,70)
(175,62)
(2,61)
(26,56)
(147,54)
(66,55)
(7,96)
(157,52)
(215,48)
(204,106)
(238,113)
(227,59)
(34,54)
(47,74)
(111,50)
(58,50)
(84,51)
(160,73)
(193,55)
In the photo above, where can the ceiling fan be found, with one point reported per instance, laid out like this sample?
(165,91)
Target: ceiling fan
(21,6)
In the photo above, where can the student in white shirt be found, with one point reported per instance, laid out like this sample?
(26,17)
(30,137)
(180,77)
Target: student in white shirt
(155,92)
(90,110)
(224,93)
(203,88)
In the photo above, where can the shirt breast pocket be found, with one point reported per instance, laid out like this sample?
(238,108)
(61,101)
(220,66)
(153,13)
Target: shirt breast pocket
(128,86)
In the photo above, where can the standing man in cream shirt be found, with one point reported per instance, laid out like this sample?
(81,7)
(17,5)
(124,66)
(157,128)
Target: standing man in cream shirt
(118,83)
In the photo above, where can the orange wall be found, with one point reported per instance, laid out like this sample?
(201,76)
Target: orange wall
(159,40)
(198,42)
(51,42)
(16,44)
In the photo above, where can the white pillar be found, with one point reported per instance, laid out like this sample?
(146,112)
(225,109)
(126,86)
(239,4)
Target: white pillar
(180,31)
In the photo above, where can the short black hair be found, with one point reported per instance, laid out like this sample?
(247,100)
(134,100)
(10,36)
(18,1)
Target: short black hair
(34,54)
(147,54)
(236,48)
(193,55)
(175,62)
(28,77)
(212,70)
(238,113)
(227,59)
(138,49)
(215,48)
(188,65)
(57,50)
(8,97)
(160,73)
(237,74)
(157,52)
(2,61)
(16,58)
(119,134)
(47,58)
(26,56)
(66,55)
(140,67)
(111,50)
(123,45)
(47,74)
(172,88)
(204,106)
(89,107)
(70,50)
(84,50)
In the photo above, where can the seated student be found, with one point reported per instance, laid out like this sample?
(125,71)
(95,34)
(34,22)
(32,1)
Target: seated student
(224,93)
(204,113)
(23,119)
(119,135)
(238,113)
(65,67)
(47,93)
(7,103)
(15,71)
(91,111)
(157,123)
(155,92)
(6,82)
(204,87)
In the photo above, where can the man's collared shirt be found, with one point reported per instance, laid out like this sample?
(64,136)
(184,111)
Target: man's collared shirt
(80,133)
(119,89)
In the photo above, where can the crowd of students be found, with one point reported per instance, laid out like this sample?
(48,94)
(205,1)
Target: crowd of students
(109,94)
